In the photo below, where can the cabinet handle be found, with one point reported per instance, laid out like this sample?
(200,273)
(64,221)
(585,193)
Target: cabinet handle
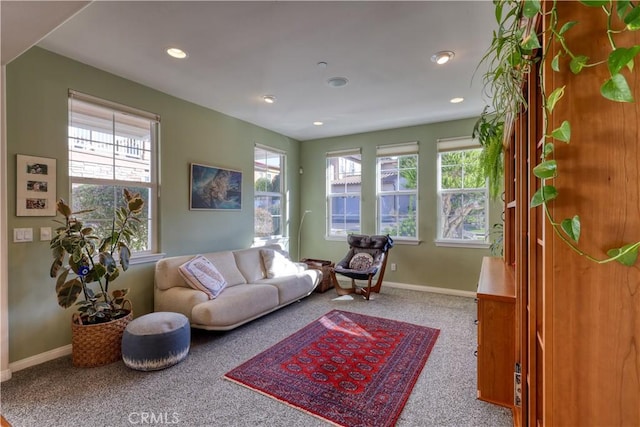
(475,353)
(475,322)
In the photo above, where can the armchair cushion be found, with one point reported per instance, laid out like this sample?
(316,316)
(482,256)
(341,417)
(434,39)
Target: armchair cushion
(361,261)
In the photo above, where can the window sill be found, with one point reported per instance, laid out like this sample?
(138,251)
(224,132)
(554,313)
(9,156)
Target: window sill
(145,258)
(462,244)
(396,240)
(401,241)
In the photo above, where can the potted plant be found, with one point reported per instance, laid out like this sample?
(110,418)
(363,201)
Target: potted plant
(85,264)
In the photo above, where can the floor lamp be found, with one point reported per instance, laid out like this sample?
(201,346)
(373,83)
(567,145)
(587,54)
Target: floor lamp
(300,231)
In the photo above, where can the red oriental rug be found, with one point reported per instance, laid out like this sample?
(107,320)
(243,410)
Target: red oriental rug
(346,368)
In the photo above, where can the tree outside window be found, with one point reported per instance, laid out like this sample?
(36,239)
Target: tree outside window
(111,147)
(463,201)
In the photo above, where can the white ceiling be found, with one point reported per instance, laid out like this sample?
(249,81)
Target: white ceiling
(239,51)
(25,23)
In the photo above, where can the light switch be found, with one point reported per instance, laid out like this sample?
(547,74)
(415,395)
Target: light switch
(22,235)
(45,233)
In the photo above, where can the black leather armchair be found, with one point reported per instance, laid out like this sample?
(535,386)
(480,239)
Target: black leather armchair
(367,256)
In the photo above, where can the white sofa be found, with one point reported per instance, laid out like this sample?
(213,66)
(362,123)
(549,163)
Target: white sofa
(253,288)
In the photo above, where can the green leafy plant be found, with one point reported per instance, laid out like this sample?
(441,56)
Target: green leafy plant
(489,131)
(515,47)
(91,259)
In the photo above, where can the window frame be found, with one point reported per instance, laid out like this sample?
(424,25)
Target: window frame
(284,232)
(450,145)
(152,253)
(398,150)
(330,195)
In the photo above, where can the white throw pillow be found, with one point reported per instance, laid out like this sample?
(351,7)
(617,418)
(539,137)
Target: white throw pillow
(277,264)
(202,275)
(361,261)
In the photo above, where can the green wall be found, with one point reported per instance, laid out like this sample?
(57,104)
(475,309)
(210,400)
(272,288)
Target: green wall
(424,264)
(37,84)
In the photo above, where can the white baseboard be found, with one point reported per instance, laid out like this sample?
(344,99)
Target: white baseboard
(38,359)
(434,289)
(5,375)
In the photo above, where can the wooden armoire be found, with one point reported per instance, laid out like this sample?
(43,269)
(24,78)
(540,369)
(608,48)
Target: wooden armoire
(577,323)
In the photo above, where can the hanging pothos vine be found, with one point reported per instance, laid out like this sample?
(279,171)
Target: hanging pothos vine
(514,50)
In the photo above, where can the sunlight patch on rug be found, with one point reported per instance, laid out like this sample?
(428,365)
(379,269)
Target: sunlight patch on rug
(346,368)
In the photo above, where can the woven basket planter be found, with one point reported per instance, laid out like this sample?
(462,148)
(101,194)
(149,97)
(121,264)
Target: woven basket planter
(98,344)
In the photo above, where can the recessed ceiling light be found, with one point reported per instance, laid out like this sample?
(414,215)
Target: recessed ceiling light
(456,100)
(318,123)
(337,81)
(269,99)
(442,57)
(177,53)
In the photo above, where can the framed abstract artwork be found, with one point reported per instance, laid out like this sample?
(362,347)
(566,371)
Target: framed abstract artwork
(215,188)
(35,186)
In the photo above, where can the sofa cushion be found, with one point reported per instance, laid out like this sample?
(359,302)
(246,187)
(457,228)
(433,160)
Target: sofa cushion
(202,275)
(225,262)
(249,264)
(277,264)
(168,276)
(235,305)
(294,287)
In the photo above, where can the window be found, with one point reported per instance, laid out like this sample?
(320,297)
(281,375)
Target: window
(462,193)
(112,147)
(397,190)
(268,175)
(344,174)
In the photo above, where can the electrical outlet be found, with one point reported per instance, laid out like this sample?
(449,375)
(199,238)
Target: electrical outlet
(394,266)
(45,233)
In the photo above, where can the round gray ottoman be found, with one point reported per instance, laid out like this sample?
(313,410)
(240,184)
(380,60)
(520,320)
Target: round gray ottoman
(156,341)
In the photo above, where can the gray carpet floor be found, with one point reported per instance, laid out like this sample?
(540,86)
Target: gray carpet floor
(193,393)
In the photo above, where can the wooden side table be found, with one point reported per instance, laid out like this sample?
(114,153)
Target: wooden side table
(326,267)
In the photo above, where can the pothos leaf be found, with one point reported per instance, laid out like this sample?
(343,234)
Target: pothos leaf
(555,62)
(617,89)
(563,133)
(620,57)
(632,19)
(548,149)
(546,169)
(530,42)
(530,8)
(627,254)
(544,194)
(566,27)
(595,3)
(554,97)
(577,63)
(571,226)
(621,7)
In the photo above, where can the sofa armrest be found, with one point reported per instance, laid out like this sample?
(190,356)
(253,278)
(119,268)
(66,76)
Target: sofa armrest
(178,299)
